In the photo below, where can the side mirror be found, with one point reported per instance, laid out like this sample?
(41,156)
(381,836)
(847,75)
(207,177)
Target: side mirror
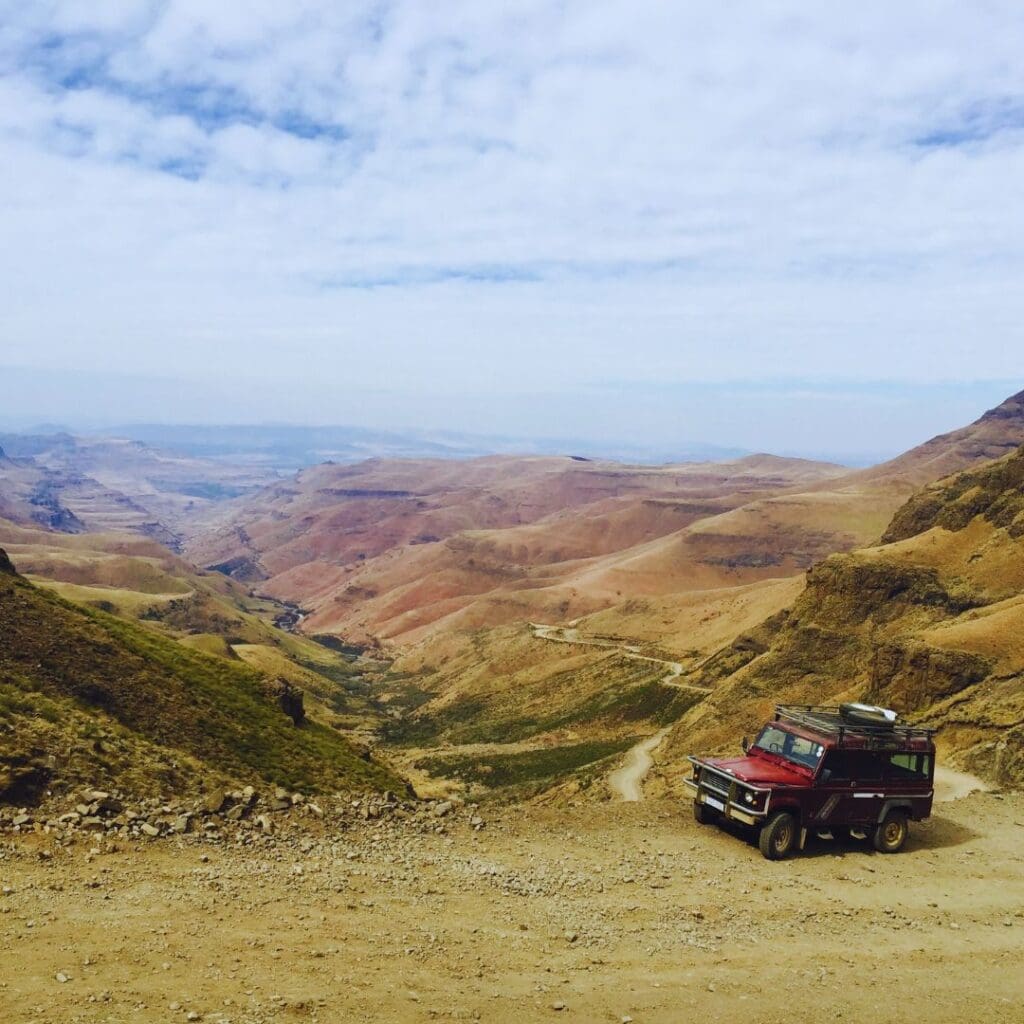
(745,744)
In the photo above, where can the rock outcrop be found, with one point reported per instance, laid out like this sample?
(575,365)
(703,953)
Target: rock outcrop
(6,565)
(289,699)
(995,492)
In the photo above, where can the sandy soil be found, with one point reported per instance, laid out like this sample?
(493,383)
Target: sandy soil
(592,913)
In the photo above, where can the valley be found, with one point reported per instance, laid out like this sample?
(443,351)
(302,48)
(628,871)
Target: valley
(514,627)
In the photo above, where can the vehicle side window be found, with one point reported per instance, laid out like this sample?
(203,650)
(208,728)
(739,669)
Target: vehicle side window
(913,767)
(865,764)
(836,766)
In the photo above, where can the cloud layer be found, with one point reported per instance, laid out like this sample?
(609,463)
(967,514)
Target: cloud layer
(486,198)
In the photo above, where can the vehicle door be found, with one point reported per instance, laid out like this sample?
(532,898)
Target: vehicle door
(867,788)
(830,798)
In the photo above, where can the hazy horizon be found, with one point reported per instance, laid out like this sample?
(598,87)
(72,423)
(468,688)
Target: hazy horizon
(865,424)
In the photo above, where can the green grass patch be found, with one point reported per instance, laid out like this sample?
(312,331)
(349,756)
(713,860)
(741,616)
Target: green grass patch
(636,696)
(211,708)
(522,767)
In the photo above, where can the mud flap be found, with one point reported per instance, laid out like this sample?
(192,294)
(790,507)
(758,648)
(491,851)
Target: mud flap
(803,837)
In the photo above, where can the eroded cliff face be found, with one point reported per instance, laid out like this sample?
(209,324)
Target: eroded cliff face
(995,493)
(930,623)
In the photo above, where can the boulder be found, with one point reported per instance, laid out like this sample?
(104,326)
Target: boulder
(215,801)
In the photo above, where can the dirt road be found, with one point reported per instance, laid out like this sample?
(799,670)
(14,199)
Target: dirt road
(570,635)
(952,785)
(594,913)
(627,782)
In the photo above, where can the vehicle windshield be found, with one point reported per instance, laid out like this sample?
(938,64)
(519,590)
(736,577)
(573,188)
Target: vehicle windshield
(796,749)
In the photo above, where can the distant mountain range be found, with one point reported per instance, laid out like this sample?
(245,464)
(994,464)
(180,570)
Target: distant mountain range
(395,550)
(287,448)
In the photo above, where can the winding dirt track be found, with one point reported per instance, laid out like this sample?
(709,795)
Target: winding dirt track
(570,635)
(953,785)
(627,782)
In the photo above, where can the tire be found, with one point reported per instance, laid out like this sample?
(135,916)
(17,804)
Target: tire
(891,834)
(703,814)
(778,837)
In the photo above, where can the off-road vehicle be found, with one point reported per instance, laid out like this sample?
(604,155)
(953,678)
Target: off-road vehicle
(847,770)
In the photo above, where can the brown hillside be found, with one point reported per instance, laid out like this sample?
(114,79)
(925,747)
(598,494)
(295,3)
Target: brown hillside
(995,434)
(397,550)
(393,549)
(931,624)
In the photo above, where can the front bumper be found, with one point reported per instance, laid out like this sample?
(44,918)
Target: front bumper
(726,796)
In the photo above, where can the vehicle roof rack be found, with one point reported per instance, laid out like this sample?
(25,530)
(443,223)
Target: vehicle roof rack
(828,720)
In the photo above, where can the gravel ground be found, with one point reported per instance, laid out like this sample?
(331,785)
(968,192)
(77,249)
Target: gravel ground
(599,912)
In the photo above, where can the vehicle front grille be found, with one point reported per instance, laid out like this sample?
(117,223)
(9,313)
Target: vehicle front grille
(715,782)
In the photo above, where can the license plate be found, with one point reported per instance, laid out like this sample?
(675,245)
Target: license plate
(712,802)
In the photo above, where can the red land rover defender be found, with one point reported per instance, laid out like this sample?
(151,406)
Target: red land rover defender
(839,770)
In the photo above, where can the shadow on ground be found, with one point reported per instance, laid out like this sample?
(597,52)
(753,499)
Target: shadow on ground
(937,833)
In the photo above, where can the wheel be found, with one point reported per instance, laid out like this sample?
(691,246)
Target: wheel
(778,836)
(703,814)
(892,833)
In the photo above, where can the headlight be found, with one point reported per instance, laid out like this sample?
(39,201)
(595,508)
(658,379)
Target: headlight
(748,797)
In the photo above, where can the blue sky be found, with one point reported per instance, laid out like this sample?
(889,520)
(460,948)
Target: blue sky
(638,219)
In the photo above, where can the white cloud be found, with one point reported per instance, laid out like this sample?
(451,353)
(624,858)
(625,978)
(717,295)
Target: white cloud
(574,191)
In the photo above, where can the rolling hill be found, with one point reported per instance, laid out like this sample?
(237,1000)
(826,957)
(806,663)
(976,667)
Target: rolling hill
(398,551)
(680,596)
(89,698)
(736,645)
(393,550)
